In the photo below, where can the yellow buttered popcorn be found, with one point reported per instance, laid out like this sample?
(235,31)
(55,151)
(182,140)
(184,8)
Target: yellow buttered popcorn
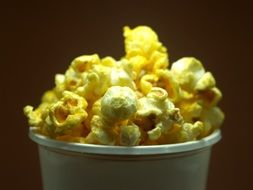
(144,50)
(187,71)
(84,63)
(67,113)
(141,40)
(136,100)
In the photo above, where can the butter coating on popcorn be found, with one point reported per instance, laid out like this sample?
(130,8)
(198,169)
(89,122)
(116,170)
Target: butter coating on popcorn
(137,100)
(67,113)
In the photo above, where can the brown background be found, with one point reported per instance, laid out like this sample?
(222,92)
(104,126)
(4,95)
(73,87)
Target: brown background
(39,39)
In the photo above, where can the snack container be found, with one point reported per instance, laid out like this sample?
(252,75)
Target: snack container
(68,166)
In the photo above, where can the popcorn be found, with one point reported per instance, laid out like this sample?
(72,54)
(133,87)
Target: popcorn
(212,119)
(121,75)
(69,112)
(147,82)
(191,131)
(144,50)
(34,116)
(207,81)
(141,41)
(130,135)
(137,100)
(118,103)
(84,63)
(163,111)
(187,71)
(191,110)
(101,132)
(210,97)
(96,82)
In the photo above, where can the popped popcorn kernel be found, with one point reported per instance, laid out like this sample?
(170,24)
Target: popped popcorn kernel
(137,100)
(69,112)
(162,111)
(130,135)
(141,40)
(187,72)
(84,63)
(101,132)
(118,103)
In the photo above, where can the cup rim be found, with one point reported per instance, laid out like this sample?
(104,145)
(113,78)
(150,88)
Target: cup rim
(125,150)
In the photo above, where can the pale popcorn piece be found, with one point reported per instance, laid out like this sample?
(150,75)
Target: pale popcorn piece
(190,132)
(156,104)
(212,119)
(101,132)
(67,113)
(128,67)
(118,103)
(130,135)
(164,123)
(187,71)
(155,133)
(209,97)
(207,81)
(100,136)
(122,75)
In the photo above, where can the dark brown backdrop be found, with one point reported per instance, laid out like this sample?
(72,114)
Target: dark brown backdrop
(39,39)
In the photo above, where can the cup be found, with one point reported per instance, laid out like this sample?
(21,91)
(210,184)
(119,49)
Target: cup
(75,166)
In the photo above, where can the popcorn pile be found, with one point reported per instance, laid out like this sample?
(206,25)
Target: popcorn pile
(136,100)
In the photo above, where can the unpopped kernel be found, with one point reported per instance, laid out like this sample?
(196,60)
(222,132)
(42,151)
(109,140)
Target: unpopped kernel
(137,100)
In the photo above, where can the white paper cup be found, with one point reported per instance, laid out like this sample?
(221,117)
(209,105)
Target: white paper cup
(75,166)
